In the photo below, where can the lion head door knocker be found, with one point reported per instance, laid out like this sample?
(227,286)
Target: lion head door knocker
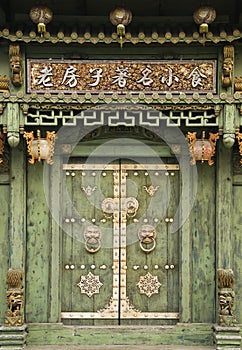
(147,236)
(92,237)
(132,205)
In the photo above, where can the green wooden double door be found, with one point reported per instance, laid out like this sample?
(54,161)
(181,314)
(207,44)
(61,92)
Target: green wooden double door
(120,257)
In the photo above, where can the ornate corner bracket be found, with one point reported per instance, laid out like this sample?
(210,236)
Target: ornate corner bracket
(226,332)
(15,298)
(15,63)
(228,66)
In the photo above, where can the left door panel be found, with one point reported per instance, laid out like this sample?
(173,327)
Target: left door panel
(89,284)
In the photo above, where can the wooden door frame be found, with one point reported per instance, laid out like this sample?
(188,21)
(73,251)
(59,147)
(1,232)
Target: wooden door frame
(55,173)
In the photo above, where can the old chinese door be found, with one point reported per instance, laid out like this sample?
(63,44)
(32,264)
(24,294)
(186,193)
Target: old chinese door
(120,256)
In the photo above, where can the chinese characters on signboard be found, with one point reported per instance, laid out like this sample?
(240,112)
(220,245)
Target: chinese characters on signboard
(109,76)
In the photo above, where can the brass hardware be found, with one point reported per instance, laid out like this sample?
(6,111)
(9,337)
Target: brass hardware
(151,190)
(83,267)
(89,190)
(103,267)
(90,284)
(147,235)
(149,285)
(111,205)
(93,267)
(72,267)
(132,206)
(92,236)
(67,267)
(169,220)
(136,267)
(167,267)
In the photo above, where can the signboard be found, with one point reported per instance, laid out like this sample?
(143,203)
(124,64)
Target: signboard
(69,76)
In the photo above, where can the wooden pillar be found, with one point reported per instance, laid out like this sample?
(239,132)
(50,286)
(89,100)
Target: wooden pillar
(185,268)
(224,202)
(53,174)
(17,222)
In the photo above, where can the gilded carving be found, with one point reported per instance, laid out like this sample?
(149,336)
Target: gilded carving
(4,84)
(15,298)
(89,284)
(15,65)
(238,84)
(151,190)
(109,76)
(2,143)
(239,138)
(228,64)
(148,285)
(226,297)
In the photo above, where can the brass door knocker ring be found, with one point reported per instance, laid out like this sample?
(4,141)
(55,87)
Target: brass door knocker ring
(147,250)
(92,237)
(147,235)
(132,205)
(92,247)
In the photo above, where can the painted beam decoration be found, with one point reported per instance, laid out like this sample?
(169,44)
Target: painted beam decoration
(67,76)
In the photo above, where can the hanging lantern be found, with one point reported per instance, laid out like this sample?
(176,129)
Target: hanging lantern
(202,149)
(39,148)
(41,15)
(120,17)
(204,16)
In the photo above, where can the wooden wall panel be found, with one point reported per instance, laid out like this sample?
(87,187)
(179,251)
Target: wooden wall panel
(237,245)
(4,244)
(203,247)
(38,247)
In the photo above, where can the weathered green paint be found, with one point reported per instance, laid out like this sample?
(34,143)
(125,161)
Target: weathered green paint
(203,247)
(224,207)
(237,243)
(38,248)
(187,334)
(4,242)
(17,215)
(53,181)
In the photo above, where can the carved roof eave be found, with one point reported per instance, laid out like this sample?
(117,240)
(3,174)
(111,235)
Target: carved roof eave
(107,98)
(141,37)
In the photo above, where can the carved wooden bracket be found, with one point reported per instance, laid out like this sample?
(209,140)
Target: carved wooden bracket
(15,298)
(15,62)
(228,65)
(226,297)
